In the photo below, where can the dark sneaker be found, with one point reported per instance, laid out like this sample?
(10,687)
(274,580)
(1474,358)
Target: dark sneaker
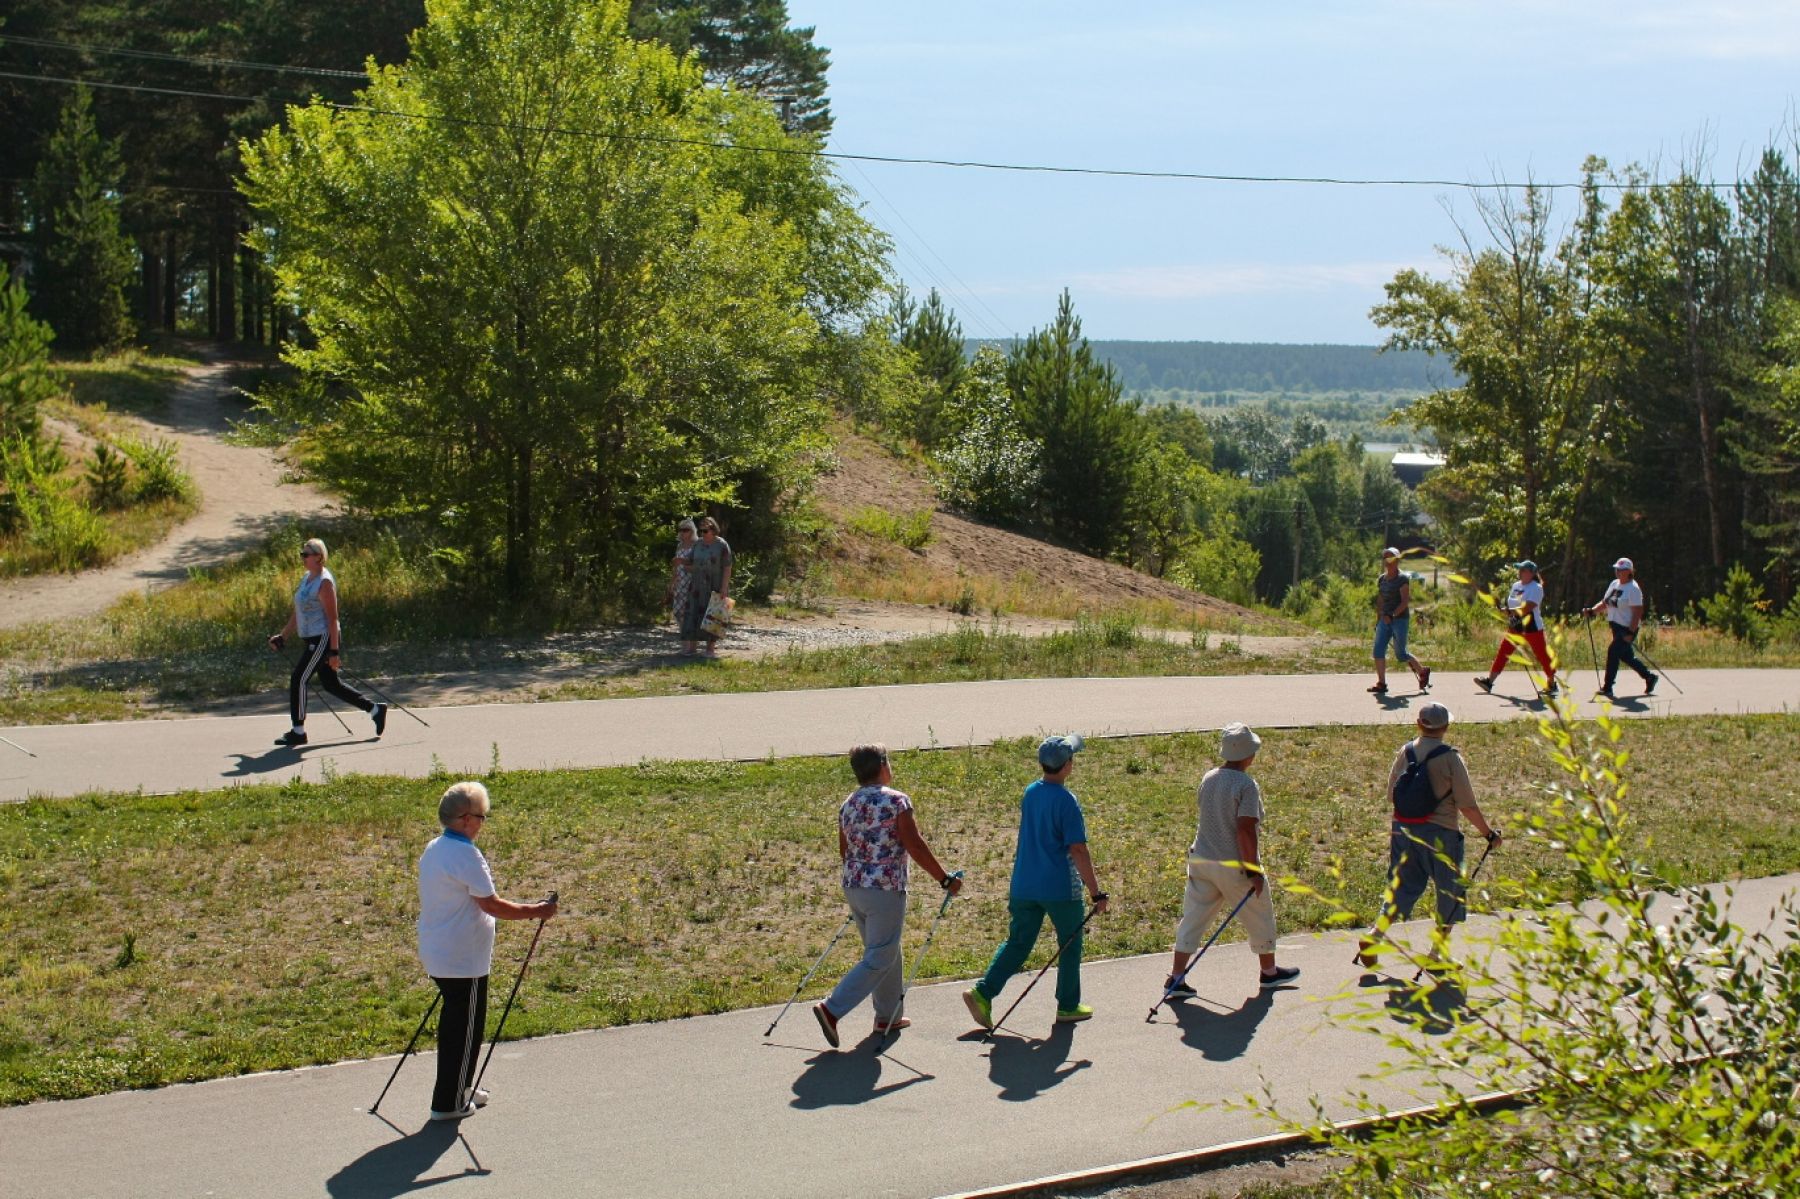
(1485,682)
(379,714)
(980,1007)
(1365,956)
(827,1023)
(1074,1015)
(292,738)
(1378,689)
(1425,678)
(1650,685)
(1178,990)
(1606,692)
(1280,976)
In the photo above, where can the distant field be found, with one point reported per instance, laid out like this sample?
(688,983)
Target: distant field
(1344,414)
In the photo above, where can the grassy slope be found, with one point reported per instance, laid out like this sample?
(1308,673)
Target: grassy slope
(154,939)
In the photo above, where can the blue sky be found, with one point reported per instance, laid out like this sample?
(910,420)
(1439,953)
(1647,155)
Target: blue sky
(1453,91)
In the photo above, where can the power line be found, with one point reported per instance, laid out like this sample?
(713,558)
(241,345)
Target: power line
(234,64)
(799,151)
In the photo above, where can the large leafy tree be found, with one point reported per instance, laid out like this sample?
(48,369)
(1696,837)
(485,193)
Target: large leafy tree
(561,289)
(85,261)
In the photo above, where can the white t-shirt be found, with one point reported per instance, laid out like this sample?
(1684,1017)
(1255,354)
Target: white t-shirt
(1620,599)
(456,938)
(1523,593)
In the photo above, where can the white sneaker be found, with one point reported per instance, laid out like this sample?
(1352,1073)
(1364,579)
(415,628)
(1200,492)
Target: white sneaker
(467,1111)
(480,1098)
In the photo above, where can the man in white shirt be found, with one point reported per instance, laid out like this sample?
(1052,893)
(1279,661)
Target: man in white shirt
(457,910)
(1623,604)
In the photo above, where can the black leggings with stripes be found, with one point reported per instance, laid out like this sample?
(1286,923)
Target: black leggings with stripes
(312,662)
(459,1040)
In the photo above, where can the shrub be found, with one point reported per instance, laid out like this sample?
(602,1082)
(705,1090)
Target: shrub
(159,474)
(1739,608)
(1653,1040)
(108,479)
(909,529)
(26,379)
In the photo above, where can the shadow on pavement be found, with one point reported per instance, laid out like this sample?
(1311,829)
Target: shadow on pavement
(1430,1009)
(1394,703)
(399,1167)
(834,1079)
(1024,1068)
(278,758)
(1221,1037)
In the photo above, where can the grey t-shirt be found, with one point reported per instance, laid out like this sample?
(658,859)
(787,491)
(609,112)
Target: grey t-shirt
(1225,796)
(706,566)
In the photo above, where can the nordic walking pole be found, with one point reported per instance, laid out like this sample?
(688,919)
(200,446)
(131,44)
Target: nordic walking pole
(842,929)
(507,1011)
(407,1052)
(1462,903)
(906,983)
(318,695)
(989,1034)
(18,747)
(1660,672)
(365,685)
(1195,960)
(1592,652)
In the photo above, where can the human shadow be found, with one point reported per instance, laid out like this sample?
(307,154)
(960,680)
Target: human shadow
(269,760)
(1024,1068)
(399,1167)
(836,1079)
(1433,1006)
(1222,1036)
(1390,702)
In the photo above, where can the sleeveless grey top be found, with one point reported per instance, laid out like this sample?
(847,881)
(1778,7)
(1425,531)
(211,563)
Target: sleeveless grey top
(1387,593)
(309,610)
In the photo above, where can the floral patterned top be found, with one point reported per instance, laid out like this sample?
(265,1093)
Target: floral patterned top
(876,859)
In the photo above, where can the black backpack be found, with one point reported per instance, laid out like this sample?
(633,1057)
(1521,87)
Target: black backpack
(1413,797)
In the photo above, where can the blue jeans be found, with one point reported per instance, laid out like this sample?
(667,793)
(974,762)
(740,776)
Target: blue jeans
(1421,855)
(1021,937)
(1394,630)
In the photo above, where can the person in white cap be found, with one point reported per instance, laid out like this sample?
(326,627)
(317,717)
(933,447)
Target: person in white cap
(1425,846)
(1393,605)
(1623,604)
(1525,620)
(1224,861)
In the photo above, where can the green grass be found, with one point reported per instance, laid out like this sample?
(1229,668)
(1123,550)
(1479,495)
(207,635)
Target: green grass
(138,381)
(272,926)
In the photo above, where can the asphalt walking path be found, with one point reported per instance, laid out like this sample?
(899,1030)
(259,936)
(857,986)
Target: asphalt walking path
(211,752)
(712,1107)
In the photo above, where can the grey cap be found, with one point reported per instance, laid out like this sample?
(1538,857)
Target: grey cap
(1237,742)
(1054,752)
(1434,716)
(1527,564)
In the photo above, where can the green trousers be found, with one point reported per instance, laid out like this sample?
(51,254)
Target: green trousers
(1021,937)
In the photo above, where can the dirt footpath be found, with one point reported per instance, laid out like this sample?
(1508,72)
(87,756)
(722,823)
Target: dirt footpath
(242,495)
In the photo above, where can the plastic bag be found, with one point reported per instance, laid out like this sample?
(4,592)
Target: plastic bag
(718,615)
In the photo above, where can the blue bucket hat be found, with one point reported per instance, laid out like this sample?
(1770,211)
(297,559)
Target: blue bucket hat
(1054,752)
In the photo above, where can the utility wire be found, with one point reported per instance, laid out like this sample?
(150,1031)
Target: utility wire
(234,64)
(797,151)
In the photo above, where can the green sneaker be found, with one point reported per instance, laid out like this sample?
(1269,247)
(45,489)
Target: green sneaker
(980,1007)
(1075,1015)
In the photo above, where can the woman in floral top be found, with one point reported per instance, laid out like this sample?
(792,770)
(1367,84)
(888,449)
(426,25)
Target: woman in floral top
(876,834)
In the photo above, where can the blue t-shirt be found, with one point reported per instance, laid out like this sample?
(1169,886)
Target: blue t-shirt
(1049,822)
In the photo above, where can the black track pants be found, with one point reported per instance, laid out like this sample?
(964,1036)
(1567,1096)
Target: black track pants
(460,1026)
(312,662)
(1621,651)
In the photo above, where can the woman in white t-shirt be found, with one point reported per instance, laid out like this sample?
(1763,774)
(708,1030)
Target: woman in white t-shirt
(457,910)
(1524,619)
(1623,604)
(315,619)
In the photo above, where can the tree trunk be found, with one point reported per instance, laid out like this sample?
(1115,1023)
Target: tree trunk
(225,262)
(153,289)
(171,274)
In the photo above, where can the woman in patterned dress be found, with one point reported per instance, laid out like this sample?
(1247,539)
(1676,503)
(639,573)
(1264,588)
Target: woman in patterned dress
(678,581)
(876,833)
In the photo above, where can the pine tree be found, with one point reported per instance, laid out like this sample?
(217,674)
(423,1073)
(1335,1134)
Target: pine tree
(84,261)
(935,337)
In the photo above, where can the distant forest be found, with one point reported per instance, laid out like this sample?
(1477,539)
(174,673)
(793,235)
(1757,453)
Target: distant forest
(1223,366)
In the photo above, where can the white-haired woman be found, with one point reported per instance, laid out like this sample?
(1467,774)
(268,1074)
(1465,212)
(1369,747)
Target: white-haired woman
(315,618)
(457,910)
(679,599)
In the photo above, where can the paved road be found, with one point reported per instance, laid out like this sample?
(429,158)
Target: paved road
(709,1107)
(212,752)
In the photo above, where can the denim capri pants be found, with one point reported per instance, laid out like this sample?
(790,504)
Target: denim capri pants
(1394,630)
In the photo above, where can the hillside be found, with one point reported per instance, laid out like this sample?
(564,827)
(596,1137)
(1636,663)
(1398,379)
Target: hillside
(994,567)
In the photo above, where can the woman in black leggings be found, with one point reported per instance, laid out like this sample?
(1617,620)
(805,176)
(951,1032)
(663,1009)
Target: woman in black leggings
(315,618)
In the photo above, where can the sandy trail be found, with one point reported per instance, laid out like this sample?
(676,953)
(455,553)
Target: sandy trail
(242,496)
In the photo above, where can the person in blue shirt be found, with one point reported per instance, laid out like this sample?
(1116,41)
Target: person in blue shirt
(1050,869)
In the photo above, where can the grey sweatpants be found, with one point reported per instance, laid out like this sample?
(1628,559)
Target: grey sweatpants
(879,916)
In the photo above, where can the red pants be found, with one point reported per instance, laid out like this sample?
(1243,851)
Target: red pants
(1538,648)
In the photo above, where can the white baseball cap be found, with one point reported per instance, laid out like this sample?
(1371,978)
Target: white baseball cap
(1624,564)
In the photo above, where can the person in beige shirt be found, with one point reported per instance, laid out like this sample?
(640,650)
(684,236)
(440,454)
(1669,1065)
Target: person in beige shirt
(1428,850)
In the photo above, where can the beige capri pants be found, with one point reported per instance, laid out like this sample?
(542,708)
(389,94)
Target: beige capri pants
(1214,888)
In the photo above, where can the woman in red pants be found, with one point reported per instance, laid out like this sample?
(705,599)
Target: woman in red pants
(1524,618)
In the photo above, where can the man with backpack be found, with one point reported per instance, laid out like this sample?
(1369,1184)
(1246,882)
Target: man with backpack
(1430,791)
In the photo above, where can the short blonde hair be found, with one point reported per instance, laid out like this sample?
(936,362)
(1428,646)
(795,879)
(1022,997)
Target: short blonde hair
(461,799)
(312,545)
